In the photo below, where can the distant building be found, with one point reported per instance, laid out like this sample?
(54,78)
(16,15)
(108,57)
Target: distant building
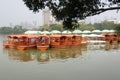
(26,25)
(29,25)
(48,18)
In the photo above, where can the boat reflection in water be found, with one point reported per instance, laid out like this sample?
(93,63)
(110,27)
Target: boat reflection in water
(45,56)
(23,56)
(53,54)
(65,53)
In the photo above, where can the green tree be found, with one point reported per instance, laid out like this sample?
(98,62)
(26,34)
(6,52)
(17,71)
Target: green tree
(5,30)
(56,27)
(9,30)
(117,29)
(104,25)
(70,11)
(18,30)
(45,27)
(86,27)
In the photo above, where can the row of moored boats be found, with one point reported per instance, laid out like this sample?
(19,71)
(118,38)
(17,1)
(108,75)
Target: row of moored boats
(44,42)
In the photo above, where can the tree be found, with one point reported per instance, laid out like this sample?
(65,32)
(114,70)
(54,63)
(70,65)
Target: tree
(86,27)
(45,27)
(5,30)
(9,30)
(56,27)
(105,25)
(70,11)
(117,29)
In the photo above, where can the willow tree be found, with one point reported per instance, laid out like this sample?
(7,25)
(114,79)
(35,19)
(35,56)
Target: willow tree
(70,11)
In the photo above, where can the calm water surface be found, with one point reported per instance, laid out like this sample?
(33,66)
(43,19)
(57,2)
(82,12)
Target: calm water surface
(59,64)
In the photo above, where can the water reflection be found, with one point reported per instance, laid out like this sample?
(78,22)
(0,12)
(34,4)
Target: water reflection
(43,56)
(23,56)
(46,56)
(49,55)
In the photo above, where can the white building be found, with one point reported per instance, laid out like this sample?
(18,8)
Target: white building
(48,18)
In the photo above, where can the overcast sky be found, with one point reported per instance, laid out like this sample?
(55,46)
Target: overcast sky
(108,15)
(14,12)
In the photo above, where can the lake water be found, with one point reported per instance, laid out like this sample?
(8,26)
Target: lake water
(59,64)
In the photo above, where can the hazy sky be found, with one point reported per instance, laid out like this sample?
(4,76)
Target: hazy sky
(108,15)
(13,12)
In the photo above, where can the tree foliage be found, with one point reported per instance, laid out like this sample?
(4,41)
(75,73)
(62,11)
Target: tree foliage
(56,27)
(86,27)
(70,11)
(9,30)
(52,27)
(105,25)
(45,27)
(117,29)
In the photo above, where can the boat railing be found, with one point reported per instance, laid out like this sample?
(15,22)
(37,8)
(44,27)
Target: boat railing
(5,42)
(54,41)
(44,42)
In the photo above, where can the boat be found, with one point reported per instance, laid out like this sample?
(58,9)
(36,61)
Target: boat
(69,40)
(12,42)
(76,40)
(108,38)
(111,38)
(115,38)
(84,40)
(6,43)
(55,41)
(118,39)
(65,41)
(42,42)
(26,42)
(95,41)
(58,41)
